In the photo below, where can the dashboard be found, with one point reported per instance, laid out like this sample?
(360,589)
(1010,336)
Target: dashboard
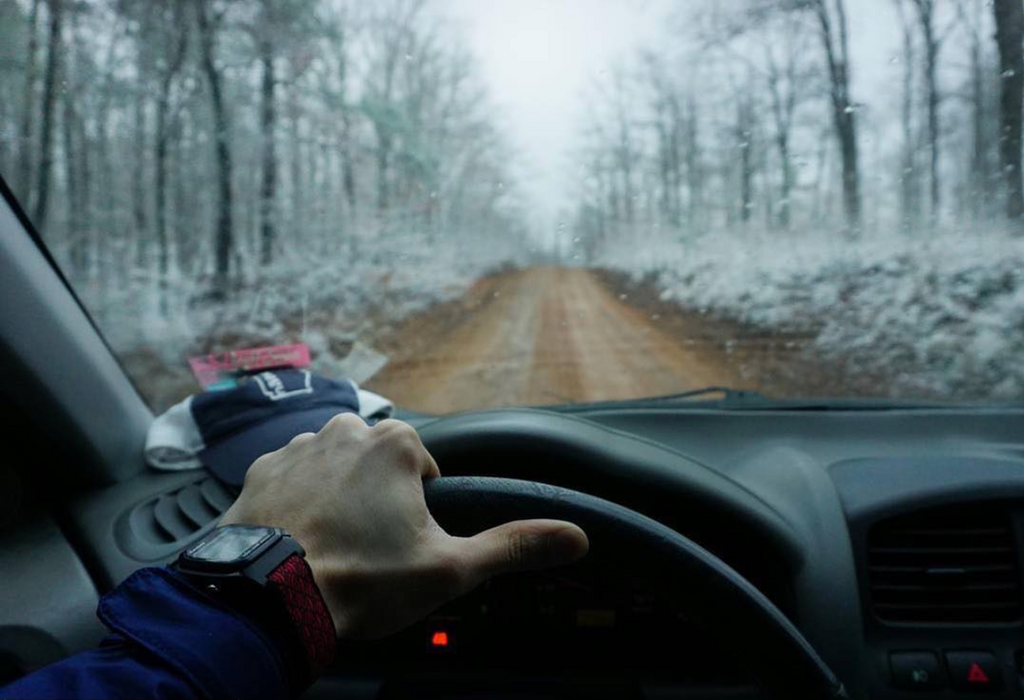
(551,626)
(893,539)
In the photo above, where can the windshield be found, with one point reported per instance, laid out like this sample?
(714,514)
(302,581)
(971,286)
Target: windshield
(463,204)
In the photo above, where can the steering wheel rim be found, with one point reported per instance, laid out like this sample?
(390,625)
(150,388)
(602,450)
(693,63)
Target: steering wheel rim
(745,621)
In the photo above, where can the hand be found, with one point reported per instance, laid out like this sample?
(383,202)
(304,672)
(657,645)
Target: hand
(352,496)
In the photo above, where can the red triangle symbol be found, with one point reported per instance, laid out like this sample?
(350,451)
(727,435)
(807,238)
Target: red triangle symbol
(976,675)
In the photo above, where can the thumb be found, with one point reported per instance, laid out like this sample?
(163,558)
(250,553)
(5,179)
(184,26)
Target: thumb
(522,545)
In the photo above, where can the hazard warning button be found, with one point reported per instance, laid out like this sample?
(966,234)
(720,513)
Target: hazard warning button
(976,671)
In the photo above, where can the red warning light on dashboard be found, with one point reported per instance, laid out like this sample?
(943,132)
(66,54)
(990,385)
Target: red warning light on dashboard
(977,675)
(439,639)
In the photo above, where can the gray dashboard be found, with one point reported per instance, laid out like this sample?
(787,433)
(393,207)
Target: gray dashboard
(818,481)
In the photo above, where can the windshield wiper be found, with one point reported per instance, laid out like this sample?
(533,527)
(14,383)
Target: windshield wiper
(752,400)
(729,395)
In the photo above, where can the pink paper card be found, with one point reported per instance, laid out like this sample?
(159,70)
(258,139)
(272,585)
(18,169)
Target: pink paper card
(222,370)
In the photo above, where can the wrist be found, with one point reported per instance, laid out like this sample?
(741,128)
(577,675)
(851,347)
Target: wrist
(261,573)
(325,577)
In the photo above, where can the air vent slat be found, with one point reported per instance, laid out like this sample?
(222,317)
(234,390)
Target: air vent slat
(215,495)
(944,589)
(950,606)
(922,551)
(956,565)
(194,507)
(987,568)
(175,517)
(170,519)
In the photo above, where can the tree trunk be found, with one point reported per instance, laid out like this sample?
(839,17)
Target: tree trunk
(296,219)
(1009,16)
(223,231)
(383,165)
(980,195)
(925,10)
(139,182)
(26,156)
(76,238)
(268,185)
(743,137)
(908,163)
(348,157)
(694,170)
(163,106)
(785,164)
(835,44)
(49,101)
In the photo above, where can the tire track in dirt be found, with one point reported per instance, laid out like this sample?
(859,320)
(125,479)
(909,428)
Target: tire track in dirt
(542,336)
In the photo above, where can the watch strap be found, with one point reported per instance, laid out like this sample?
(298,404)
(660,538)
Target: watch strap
(293,581)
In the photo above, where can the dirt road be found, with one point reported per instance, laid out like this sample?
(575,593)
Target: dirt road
(544,336)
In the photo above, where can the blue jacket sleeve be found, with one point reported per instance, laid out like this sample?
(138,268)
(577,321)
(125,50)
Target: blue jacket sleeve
(168,641)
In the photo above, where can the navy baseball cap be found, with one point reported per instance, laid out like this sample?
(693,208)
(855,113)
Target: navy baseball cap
(263,414)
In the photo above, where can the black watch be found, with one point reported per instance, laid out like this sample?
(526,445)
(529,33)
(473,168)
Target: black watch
(261,573)
(234,551)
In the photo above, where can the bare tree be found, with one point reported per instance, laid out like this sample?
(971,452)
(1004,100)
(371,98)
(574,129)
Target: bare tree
(971,14)
(26,137)
(209,21)
(908,178)
(268,183)
(54,50)
(834,34)
(1009,17)
(932,41)
(789,81)
(172,29)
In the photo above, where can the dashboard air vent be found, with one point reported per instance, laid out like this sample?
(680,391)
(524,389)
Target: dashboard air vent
(172,518)
(947,565)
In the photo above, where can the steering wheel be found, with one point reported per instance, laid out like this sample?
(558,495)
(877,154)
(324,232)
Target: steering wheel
(728,606)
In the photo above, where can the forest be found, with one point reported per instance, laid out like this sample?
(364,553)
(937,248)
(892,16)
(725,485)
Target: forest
(220,171)
(187,153)
(755,121)
(848,170)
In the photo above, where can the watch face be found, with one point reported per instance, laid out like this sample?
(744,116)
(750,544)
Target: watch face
(231,544)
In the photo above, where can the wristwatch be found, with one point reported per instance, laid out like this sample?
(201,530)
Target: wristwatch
(262,573)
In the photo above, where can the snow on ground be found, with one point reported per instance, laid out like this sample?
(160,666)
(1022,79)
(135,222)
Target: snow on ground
(337,305)
(938,314)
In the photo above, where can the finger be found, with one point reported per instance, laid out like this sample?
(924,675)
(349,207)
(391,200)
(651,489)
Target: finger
(522,545)
(302,438)
(344,426)
(404,438)
(430,469)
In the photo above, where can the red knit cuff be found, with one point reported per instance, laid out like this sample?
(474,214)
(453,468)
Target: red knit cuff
(307,610)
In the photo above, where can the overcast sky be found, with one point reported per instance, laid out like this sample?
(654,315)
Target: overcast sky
(539,56)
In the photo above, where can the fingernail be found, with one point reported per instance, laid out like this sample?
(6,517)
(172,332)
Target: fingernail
(567,545)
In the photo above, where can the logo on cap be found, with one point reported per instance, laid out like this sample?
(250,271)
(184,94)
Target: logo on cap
(275,389)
